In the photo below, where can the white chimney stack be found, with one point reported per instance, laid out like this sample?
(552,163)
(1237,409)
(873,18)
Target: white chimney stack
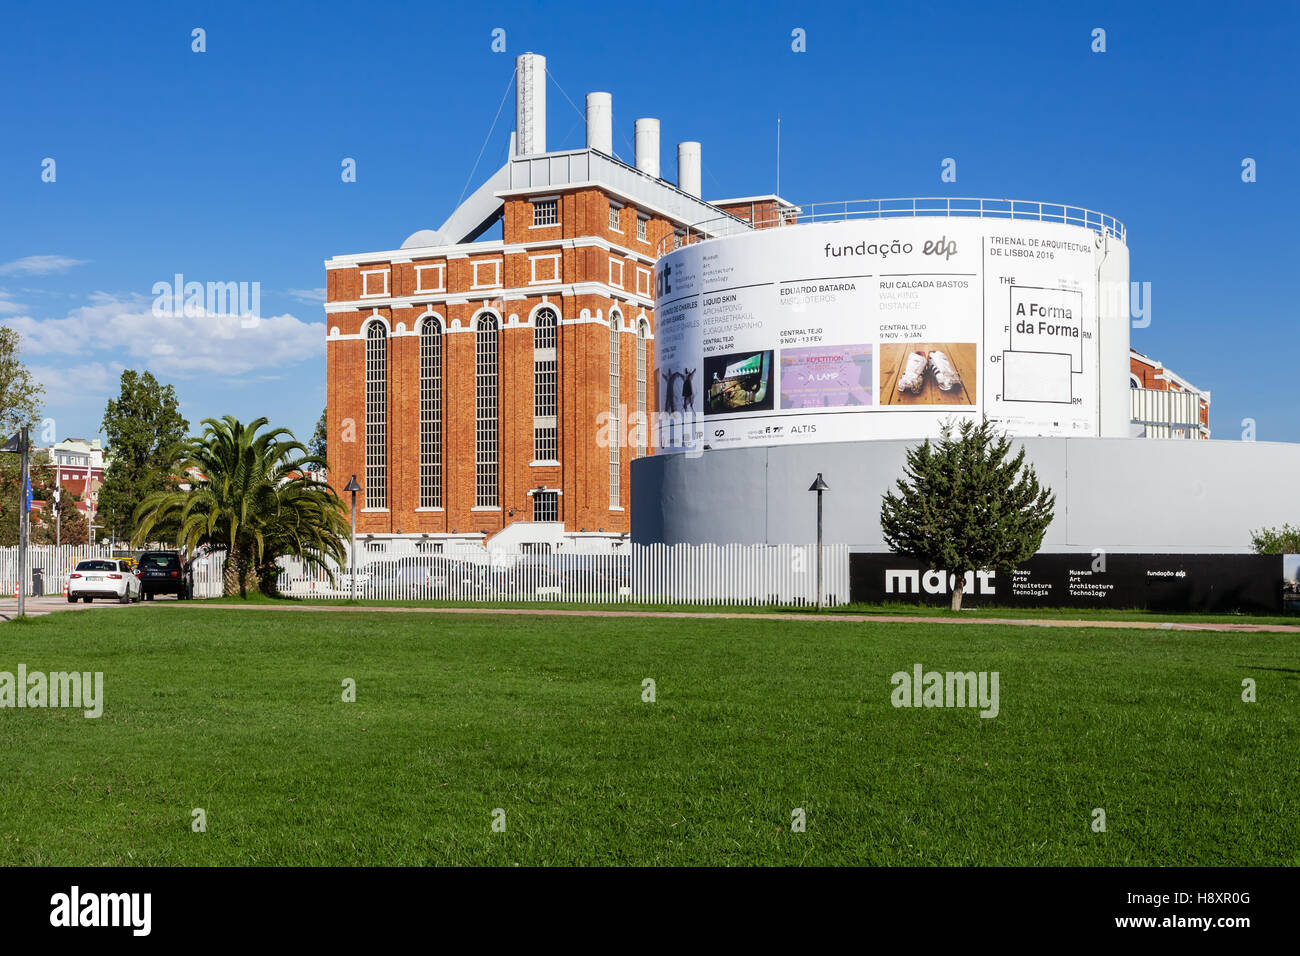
(647,146)
(600,122)
(530,104)
(688,168)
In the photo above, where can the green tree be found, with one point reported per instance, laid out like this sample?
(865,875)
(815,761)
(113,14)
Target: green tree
(254,501)
(11,494)
(318,447)
(1283,540)
(21,397)
(965,504)
(145,432)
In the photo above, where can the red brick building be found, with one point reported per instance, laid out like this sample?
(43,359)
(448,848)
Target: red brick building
(1163,403)
(477,385)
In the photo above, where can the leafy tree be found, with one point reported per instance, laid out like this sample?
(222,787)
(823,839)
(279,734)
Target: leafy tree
(965,505)
(74,528)
(254,501)
(21,397)
(318,447)
(1283,540)
(145,432)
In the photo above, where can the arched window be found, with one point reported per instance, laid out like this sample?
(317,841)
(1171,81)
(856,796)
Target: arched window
(614,431)
(376,416)
(642,360)
(431,413)
(486,456)
(545,404)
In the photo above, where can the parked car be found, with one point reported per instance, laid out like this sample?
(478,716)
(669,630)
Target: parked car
(166,572)
(103,578)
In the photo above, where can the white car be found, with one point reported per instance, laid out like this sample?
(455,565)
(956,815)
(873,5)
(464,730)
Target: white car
(103,578)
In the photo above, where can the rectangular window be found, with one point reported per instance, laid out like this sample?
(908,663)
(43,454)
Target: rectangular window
(642,281)
(377,546)
(613,412)
(428,547)
(614,217)
(485,413)
(545,401)
(642,426)
(376,416)
(616,272)
(546,212)
(431,414)
(641,228)
(546,506)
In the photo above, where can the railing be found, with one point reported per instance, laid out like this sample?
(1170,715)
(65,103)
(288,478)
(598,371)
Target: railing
(733,574)
(952,207)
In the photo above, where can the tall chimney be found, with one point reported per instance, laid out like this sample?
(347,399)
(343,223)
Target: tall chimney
(688,168)
(647,146)
(530,104)
(600,122)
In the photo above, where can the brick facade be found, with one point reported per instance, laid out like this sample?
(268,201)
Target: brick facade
(583,269)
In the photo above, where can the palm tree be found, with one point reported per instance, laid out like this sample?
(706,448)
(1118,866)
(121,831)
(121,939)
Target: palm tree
(252,496)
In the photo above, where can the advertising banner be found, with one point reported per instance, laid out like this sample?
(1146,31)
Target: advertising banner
(1158,582)
(877,329)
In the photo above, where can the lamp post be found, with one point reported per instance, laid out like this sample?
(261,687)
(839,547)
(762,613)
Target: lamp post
(353,487)
(819,486)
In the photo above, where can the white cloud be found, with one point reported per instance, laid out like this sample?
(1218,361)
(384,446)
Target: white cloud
(39,265)
(8,306)
(307,295)
(205,344)
(77,388)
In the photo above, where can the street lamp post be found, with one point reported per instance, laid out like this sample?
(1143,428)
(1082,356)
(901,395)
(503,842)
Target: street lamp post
(353,487)
(819,486)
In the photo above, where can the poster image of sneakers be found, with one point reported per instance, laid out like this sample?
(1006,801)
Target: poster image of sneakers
(927,373)
(827,377)
(739,382)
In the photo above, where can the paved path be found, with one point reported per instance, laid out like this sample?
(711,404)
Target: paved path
(735,616)
(39,606)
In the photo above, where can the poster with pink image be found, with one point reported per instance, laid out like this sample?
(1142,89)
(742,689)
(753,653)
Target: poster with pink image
(827,377)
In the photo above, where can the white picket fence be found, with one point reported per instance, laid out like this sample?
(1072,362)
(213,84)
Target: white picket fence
(47,564)
(734,574)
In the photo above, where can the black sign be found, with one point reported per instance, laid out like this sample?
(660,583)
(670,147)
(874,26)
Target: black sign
(1157,582)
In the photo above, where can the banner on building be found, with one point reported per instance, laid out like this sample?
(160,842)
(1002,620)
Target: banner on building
(1157,582)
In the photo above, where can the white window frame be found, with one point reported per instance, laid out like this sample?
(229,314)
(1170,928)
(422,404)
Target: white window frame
(496,267)
(554,259)
(365,283)
(642,228)
(546,385)
(643,281)
(615,217)
(618,283)
(376,418)
(615,374)
(441,268)
(542,201)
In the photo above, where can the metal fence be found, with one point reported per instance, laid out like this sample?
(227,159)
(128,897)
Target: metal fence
(634,574)
(953,207)
(734,574)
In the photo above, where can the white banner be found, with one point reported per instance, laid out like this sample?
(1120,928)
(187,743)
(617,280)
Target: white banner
(877,329)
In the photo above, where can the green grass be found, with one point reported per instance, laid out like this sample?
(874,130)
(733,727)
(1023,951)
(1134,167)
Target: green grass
(884,610)
(240,712)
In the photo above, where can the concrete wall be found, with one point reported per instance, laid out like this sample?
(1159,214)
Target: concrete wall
(1119,494)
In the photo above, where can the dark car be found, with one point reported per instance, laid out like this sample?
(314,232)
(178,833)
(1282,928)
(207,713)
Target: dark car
(165,572)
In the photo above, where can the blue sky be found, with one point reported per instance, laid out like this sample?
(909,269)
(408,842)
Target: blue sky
(224,166)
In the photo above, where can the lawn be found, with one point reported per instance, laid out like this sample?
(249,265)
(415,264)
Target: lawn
(240,713)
